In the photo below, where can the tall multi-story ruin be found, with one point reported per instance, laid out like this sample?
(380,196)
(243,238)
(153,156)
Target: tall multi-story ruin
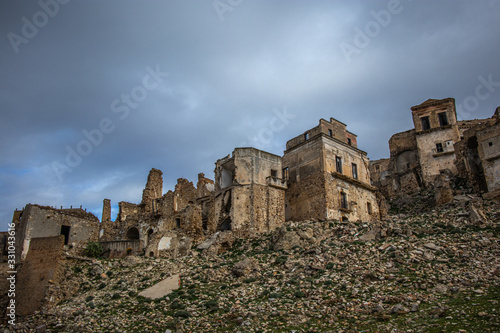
(328,176)
(439,144)
(249,192)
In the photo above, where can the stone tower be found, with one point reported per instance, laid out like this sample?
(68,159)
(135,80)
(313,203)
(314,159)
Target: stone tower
(106,210)
(153,190)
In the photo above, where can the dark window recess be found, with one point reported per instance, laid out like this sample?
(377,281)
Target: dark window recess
(369,208)
(354,171)
(407,165)
(178,222)
(439,147)
(306,136)
(490,144)
(226,225)
(204,224)
(425,123)
(338,163)
(285,173)
(330,132)
(132,233)
(443,119)
(377,167)
(349,141)
(274,173)
(65,231)
(343,200)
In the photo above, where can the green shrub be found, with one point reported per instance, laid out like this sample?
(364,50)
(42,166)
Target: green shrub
(115,296)
(89,298)
(102,285)
(93,250)
(177,305)
(182,314)
(211,304)
(299,294)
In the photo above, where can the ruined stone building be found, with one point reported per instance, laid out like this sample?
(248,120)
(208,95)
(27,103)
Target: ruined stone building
(322,175)
(478,155)
(328,176)
(435,146)
(249,191)
(34,221)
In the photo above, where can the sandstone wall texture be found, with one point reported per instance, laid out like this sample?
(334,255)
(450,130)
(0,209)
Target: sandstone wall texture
(44,265)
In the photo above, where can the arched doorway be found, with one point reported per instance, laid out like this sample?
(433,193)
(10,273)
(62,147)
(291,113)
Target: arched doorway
(132,233)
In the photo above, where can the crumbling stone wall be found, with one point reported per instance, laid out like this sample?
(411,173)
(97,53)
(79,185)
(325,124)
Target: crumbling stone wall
(126,209)
(489,152)
(43,267)
(153,190)
(249,192)
(40,221)
(306,199)
(120,249)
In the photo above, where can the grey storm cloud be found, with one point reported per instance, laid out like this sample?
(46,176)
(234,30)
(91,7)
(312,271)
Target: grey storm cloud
(70,69)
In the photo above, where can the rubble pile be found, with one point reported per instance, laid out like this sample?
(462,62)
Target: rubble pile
(433,270)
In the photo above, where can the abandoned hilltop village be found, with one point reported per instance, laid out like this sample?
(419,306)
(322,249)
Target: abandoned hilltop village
(322,176)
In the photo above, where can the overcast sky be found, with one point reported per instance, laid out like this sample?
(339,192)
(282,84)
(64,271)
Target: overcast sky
(96,93)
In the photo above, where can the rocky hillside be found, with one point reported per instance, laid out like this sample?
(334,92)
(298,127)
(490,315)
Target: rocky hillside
(426,271)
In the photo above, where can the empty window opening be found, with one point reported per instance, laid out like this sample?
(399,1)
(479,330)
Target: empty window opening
(349,141)
(425,123)
(344,219)
(286,173)
(132,233)
(204,224)
(178,222)
(343,200)
(338,163)
(490,144)
(439,147)
(330,132)
(226,225)
(443,119)
(369,207)
(65,231)
(449,143)
(377,168)
(354,171)
(306,136)
(151,254)
(227,174)
(274,173)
